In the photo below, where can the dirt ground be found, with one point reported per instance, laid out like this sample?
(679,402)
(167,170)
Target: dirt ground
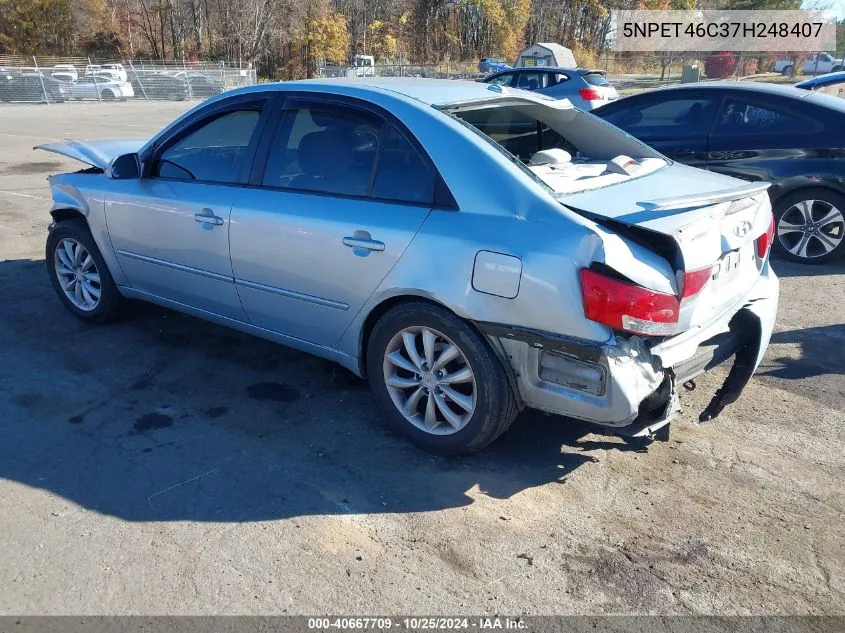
(165,465)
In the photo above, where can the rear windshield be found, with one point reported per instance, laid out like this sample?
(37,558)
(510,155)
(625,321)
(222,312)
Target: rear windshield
(523,130)
(596,79)
(565,150)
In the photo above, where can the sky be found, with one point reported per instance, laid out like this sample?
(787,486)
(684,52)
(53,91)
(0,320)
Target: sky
(838,6)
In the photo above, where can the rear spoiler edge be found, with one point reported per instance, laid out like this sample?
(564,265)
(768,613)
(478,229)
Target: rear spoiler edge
(685,202)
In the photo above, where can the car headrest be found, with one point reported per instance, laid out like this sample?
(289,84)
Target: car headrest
(323,119)
(323,154)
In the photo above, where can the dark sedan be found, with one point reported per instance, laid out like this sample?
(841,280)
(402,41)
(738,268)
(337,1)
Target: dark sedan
(202,86)
(153,85)
(793,138)
(32,88)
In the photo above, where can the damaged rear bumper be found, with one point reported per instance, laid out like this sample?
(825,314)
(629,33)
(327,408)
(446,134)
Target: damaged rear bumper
(627,384)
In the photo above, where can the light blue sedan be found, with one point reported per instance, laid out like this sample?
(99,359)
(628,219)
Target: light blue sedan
(472,249)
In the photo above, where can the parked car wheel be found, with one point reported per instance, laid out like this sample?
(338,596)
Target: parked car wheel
(789,71)
(79,273)
(438,380)
(107,95)
(810,226)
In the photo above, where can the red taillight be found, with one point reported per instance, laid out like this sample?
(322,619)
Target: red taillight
(764,242)
(590,94)
(626,306)
(695,280)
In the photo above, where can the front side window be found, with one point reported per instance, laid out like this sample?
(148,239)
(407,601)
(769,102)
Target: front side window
(214,152)
(684,116)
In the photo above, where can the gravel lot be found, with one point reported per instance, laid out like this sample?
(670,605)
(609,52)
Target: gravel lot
(166,465)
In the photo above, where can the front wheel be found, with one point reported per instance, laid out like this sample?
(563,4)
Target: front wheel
(438,380)
(79,273)
(810,226)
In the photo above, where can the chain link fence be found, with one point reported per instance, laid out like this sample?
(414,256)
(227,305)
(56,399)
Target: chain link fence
(627,72)
(60,79)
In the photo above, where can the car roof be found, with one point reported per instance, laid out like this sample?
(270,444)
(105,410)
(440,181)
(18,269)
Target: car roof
(434,92)
(551,69)
(739,87)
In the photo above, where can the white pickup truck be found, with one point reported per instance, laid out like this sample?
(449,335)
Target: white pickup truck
(813,64)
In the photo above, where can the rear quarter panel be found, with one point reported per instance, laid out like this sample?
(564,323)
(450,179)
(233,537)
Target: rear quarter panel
(438,265)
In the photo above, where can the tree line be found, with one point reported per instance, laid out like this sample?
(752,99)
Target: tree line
(288,38)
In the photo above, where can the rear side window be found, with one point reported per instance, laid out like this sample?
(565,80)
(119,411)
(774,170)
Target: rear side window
(741,117)
(214,152)
(326,149)
(402,174)
(345,151)
(502,80)
(596,79)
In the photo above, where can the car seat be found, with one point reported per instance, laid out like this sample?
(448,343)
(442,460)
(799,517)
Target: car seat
(326,160)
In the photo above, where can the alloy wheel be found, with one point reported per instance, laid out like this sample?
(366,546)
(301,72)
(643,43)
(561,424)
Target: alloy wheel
(77,273)
(811,228)
(429,380)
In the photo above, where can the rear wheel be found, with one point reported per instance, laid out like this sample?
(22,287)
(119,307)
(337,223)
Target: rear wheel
(107,95)
(810,226)
(437,380)
(79,273)
(789,71)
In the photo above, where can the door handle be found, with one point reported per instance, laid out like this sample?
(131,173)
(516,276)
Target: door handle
(207,217)
(361,242)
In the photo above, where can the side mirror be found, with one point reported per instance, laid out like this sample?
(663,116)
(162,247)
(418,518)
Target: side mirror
(126,167)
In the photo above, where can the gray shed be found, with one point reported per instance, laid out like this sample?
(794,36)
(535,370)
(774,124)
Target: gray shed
(546,54)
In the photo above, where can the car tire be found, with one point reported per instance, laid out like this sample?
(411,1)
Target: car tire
(69,268)
(789,71)
(459,406)
(107,95)
(810,226)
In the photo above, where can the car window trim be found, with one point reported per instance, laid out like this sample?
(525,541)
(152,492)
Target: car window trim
(442,196)
(263,101)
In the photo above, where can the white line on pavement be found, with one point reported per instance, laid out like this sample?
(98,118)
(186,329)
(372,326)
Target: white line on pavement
(22,195)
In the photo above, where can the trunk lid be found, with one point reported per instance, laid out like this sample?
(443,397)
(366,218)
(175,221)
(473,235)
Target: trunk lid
(98,154)
(713,220)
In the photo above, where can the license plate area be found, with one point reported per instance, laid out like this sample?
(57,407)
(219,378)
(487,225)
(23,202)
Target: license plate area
(729,265)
